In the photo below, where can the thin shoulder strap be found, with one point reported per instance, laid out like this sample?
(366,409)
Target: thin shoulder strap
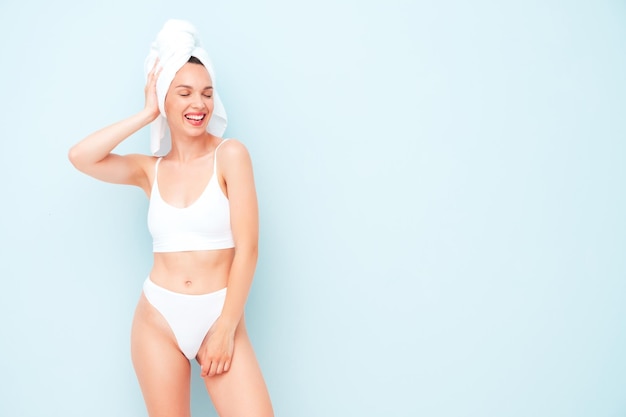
(215,157)
(156,171)
(156,166)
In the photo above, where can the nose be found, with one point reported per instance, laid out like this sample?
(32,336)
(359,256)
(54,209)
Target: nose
(197,102)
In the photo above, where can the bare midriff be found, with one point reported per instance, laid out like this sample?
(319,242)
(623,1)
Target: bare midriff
(193,272)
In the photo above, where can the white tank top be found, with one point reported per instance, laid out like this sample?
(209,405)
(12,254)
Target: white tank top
(204,225)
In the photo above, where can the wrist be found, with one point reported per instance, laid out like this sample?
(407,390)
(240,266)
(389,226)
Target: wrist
(147,116)
(228,322)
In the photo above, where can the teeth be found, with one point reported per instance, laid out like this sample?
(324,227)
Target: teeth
(194,117)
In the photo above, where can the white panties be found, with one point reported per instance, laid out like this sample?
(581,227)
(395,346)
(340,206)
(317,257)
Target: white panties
(189,316)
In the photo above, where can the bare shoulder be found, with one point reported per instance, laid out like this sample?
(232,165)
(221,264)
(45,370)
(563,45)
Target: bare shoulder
(234,153)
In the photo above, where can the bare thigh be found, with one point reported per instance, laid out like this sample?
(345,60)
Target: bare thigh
(240,392)
(162,369)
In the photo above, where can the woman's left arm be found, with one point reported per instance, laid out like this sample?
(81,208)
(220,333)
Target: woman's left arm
(236,168)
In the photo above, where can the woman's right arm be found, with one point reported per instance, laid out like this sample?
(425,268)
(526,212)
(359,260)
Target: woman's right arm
(93,156)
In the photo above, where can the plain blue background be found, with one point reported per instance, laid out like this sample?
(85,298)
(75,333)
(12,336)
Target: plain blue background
(442,194)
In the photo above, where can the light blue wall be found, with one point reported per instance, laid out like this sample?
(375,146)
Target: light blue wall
(442,191)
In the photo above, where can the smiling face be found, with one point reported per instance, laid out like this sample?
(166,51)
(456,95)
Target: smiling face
(189,100)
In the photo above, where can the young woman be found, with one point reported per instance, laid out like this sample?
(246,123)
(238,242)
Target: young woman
(204,222)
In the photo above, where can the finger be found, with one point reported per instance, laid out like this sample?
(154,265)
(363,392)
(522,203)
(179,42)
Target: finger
(226,366)
(155,74)
(220,368)
(156,63)
(213,368)
(156,69)
(205,367)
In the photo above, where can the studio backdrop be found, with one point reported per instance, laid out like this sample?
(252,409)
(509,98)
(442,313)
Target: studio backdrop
(441,188)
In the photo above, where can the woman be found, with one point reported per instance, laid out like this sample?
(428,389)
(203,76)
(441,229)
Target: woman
(204,221)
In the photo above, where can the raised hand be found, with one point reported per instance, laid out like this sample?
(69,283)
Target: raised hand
(152,101)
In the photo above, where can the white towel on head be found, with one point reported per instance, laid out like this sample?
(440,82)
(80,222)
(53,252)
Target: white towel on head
(174,44)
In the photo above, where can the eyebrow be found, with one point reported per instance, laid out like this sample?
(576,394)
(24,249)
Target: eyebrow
(191,88)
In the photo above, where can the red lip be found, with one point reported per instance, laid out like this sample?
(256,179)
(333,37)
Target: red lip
(195,119)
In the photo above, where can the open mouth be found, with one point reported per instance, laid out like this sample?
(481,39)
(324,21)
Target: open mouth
(195,117)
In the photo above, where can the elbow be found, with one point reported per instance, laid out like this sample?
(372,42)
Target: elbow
(73,156)
(252,251)
(255,252)
(76,158)
(248,251)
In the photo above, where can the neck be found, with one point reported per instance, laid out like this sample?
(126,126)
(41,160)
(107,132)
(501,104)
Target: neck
(186,148)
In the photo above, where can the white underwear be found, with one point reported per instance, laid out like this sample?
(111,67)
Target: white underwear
(189,316)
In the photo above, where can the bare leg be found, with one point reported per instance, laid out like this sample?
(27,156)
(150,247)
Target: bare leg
(240,392)
(162,370)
